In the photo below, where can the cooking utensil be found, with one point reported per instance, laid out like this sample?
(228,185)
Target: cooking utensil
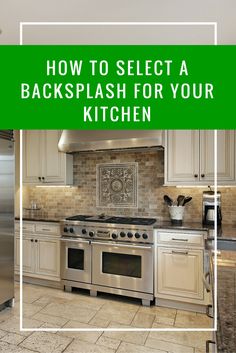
(180,200)
(168,200)
(187,199)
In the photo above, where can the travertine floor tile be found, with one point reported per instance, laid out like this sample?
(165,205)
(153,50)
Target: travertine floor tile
(185,338)
(10,348)
(87,336)
(49,319)
(138,337)
(78,346)
(2,333)
(99,322)
(108,342)
(13,338)
(29,310)
(121,315)
(168,346)
(134,348)
(70,312)
(13,325)
(159,311)
(143,320)
(187,319)
(46,342)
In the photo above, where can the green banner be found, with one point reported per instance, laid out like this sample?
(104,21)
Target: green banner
(118,87)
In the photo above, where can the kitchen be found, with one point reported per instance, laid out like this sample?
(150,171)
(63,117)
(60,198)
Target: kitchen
(153,274)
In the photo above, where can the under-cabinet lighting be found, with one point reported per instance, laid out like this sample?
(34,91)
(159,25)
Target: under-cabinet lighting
(53,186)
(203,186)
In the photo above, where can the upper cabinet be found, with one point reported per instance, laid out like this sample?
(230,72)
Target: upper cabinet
(189,157)
(42,162)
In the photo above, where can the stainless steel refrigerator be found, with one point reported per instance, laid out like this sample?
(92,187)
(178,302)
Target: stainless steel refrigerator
(7,182)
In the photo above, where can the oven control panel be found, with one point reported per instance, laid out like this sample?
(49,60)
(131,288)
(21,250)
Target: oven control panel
(116,234)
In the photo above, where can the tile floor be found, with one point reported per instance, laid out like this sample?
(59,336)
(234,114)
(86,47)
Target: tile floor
(47,307)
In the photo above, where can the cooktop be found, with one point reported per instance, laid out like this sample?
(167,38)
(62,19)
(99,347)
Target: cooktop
(113,219)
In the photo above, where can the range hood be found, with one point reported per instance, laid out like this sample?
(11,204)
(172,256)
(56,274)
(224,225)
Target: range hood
(100,140)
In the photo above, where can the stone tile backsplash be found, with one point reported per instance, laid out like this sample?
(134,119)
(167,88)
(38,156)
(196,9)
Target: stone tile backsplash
(81,198)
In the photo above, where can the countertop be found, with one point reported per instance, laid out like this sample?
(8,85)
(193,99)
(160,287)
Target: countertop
(225,232)
(40,219)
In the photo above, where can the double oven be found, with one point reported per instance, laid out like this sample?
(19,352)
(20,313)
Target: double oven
(108,260)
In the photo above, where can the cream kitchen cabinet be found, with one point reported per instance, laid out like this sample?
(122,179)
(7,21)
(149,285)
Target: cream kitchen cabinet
(181,269)
(180,273)
(189,157)
(28,255)
(41,250)
(42,162)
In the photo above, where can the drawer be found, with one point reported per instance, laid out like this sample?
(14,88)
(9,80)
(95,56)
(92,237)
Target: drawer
(181,238)
(27,227)
(47,228)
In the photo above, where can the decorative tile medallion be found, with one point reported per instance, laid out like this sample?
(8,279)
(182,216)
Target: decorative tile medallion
(117,185)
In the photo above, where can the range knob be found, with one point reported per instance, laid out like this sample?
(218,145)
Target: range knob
(114,236)
(84,231)
(137,235)
(91,234)
(130,235)
(71,230)
(145,236)
(65,229)
(122,234)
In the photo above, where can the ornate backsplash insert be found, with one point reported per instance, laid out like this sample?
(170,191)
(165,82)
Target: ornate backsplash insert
(117,185)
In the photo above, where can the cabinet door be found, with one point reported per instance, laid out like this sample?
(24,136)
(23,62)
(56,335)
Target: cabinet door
(180,273)
(48,257)
(225,155)
(52,158)
(32,156)
(182,156)
(28,255)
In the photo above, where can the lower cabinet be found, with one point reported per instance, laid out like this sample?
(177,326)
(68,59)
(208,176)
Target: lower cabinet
(181,269)
(41,252)
(180,273)
(28,256)
(41,257)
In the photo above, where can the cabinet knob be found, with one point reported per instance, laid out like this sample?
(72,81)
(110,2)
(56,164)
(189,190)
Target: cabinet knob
(202,175)
(43,178)
(39,178)
(32,240)
(36,240)
(195,175)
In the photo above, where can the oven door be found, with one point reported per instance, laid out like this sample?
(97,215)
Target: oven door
(76,260)
(123,266)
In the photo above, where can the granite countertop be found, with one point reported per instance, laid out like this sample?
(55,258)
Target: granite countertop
(225,232)
(40,219)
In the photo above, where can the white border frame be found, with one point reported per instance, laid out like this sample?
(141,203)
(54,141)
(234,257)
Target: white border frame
(22,24)
(214,24)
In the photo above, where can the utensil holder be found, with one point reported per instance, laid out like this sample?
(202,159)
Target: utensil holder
(176,214)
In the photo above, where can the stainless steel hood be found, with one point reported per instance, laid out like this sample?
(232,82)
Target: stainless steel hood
(100,140)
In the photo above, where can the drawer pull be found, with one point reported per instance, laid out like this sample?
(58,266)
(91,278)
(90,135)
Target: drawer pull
(208,310)
(208,342)
(176,239)
(179,252)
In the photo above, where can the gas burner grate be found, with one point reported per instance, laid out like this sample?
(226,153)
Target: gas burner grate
(114,220)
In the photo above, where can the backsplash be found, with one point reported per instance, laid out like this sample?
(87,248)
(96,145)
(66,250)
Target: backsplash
(81,199)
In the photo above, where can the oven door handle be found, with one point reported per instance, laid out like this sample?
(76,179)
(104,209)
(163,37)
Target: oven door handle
(115,245)
(75,240)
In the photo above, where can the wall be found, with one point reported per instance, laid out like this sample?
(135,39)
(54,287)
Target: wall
(14,11)
(61,202)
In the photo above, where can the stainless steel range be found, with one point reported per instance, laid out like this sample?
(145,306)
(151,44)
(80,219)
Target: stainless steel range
(108,254)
